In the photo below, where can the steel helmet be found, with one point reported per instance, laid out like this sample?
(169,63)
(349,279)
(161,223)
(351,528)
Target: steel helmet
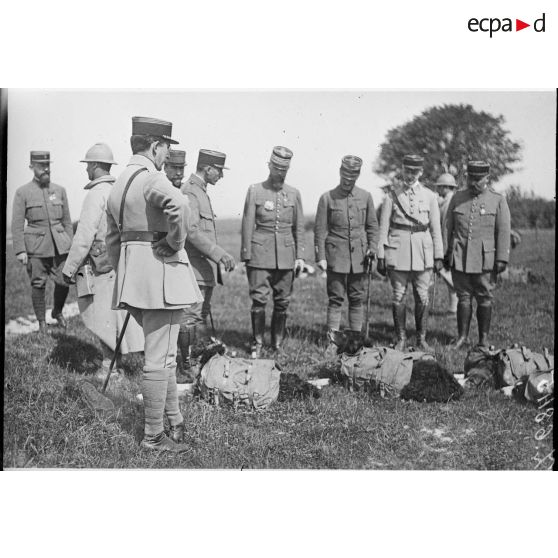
(446,179)
(99,153)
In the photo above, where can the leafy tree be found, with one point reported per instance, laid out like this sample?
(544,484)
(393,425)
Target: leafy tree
(530,211)
(447,137)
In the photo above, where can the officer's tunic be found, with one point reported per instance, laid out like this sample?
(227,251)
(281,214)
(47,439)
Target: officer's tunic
(153,288)
(89,246)
(272,239)
(201,244)
(48,235)
(49,226)
(345,228)
(409,254)
(478,232)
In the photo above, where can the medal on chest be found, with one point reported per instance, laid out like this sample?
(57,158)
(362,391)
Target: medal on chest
(482,210)
(52,197)
(269,205)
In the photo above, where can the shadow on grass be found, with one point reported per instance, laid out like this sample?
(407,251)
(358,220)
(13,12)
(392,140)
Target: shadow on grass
(76,354)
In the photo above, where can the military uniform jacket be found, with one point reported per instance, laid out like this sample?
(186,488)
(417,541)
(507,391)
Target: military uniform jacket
(201,243)
(89,240)
(478,231)
(143,279)
(49,226)
(404,250)
(345,228)
(272,227)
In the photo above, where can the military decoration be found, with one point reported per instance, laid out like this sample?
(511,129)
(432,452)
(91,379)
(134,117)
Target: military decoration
(269,205)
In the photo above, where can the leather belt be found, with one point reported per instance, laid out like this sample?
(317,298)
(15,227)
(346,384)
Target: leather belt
(410,228)
(141,236)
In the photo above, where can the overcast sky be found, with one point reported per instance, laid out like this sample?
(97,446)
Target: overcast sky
(319,126)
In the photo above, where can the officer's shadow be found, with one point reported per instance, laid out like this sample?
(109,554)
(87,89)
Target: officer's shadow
(76,354)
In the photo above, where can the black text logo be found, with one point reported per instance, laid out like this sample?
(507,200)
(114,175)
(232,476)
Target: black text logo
(493,25)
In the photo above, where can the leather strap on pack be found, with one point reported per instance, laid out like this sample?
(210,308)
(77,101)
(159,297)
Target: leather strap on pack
(401,208)
(128,184)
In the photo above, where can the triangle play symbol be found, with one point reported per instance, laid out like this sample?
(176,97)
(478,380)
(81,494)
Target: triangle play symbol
(519,25)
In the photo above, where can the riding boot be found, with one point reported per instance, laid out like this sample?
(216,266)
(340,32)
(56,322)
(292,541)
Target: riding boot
(484,314)
(421,317)
(186,371)
(278,321)
(464,313)
(258,328)
(399,319)
(60,295)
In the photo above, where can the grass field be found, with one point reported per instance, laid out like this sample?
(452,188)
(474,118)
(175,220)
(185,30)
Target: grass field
(47,425)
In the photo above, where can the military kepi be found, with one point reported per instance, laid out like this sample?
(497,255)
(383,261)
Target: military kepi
(40,157)
(145,126)
(281,157)
(478,168)
(177,158)
(413,161)
(350,165)
(211,158)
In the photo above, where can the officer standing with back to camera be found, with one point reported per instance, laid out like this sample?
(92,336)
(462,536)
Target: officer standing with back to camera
(410,246)
(204,252)
(174,167)
(43,245)
(88,259)
(446,187)
(346,239)
(147,222)
(478,232)
(272,247)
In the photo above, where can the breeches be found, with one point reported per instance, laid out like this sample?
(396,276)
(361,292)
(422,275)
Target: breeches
(279,280)
(160,329)
(353,284)
(474,285)
(419,279)
(196,314)
(40,269)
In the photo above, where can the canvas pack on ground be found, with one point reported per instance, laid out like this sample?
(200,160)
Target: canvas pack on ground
(516,362)
(379,369)
(248,383)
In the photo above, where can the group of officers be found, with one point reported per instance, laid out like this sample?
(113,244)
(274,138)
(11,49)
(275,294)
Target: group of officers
(146,244)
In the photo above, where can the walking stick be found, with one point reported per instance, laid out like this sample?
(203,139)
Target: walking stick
(116,350)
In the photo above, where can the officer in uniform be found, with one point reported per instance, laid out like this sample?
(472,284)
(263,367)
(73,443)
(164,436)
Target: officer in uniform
(204,253)
(147,222)
(272,246)
(446,187)
(43,245)
(88,259)
(410,246)
(346,239)
(478,232)
(174,167)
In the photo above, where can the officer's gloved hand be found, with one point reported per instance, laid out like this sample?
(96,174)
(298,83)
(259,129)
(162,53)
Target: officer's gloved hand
(67,279)
(299,266)
(500,267)
(381,268)
(438,264)
(162,248)
(22,258)
(322,264)
(228,262)
(369,260)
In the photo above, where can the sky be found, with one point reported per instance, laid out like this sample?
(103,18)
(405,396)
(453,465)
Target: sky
(319,126)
